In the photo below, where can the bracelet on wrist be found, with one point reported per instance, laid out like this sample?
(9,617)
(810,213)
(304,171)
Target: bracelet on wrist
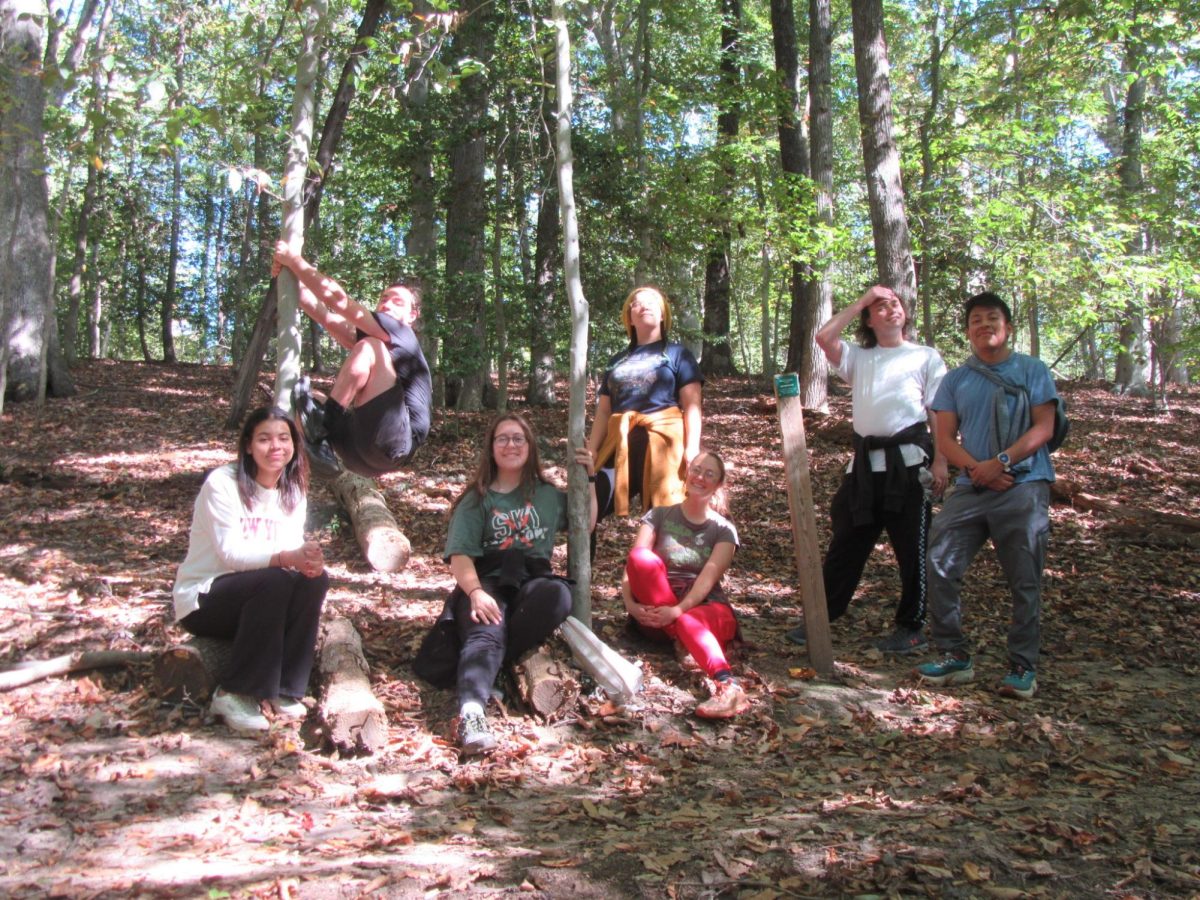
(591,479)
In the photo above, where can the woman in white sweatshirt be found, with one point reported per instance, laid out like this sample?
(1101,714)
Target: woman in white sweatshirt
(251,577)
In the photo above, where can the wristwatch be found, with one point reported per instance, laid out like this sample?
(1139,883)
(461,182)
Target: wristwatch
(1006,461)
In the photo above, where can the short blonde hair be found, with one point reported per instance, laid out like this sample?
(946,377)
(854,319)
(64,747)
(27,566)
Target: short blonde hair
(662,300)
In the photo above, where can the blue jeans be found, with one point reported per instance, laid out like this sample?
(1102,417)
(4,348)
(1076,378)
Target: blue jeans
(1018,523)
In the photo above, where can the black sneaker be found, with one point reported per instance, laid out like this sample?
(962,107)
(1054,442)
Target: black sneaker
(321,459)
(798,635)
(310,415)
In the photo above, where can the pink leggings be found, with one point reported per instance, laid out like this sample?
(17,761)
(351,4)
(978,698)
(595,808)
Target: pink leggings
(704,630)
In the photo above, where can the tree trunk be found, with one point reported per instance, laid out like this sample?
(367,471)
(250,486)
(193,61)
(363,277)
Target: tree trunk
(466,219)
(814,368)
(578,494)
(546,685)
(717,355)
(26,249)
(546,264)
(809,296)
(1133,357)
(167,313)
(497,254)
(881,159)
(295,171)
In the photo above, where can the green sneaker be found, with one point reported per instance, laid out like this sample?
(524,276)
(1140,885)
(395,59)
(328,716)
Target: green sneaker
(1019,682)
(954,668)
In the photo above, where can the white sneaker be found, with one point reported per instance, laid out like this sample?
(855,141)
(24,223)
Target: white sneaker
(290,708)
(241,713)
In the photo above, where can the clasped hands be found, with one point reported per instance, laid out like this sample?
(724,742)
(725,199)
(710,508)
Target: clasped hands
(307,559)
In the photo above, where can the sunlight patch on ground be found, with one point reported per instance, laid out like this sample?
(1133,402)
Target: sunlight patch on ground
(146,465)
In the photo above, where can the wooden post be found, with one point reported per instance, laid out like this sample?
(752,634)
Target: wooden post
(804,522)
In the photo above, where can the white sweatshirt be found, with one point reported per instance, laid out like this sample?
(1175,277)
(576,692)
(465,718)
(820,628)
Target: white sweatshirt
(226,537)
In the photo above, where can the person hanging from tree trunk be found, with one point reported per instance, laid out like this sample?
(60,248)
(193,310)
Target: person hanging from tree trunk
(377,413)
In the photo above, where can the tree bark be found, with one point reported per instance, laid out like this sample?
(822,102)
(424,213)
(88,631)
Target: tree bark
(353,719)
(167,311)
(466,360)
(295,173)
(814,368)
(546,685)
(717,354)
(881,158)
(578,494)
(379,537)
(1133,356)
(546,264)
(26,249)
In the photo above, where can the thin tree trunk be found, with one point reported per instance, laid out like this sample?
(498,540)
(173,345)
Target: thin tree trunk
(545,263)
(167,314)
(295,171)
(814,368)
(577,488)
(1133,358)
(881,158)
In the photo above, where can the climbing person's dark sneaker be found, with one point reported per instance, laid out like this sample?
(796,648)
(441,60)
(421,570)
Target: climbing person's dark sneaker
(310,415)
(954,668)
(1019,682)
(798,635)
(475,735)
(321,459)
(902,640)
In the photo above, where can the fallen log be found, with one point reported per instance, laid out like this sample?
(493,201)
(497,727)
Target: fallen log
(24,673)
(380,538)
(545,684)
(352,716)
(190,672)
(1066,491)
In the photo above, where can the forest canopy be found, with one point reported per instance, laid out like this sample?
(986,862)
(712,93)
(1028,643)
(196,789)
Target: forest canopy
(1048,153)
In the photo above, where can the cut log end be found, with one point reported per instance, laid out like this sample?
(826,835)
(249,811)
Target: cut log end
(546,685)
(354,719)
(190,672)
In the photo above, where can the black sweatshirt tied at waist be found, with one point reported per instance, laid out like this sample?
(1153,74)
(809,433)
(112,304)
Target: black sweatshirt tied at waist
(895,481)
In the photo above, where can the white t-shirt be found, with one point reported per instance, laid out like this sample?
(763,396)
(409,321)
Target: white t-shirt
(226,537)
(892,388)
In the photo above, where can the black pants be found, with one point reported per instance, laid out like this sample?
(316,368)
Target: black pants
(852,544)
(272,616)
(606,479)
(537,608)
(378,436)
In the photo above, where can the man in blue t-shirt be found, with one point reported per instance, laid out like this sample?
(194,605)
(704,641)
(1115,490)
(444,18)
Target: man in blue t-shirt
(996,438)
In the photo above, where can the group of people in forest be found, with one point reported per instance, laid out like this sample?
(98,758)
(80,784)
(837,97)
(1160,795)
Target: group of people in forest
(251,576)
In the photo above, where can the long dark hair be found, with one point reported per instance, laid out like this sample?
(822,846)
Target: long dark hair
(293,480)
(486,469)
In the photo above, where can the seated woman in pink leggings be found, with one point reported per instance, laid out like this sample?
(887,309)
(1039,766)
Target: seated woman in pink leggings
(672,583)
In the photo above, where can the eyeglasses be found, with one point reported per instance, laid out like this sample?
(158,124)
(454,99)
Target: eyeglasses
(706,474)
(517,440)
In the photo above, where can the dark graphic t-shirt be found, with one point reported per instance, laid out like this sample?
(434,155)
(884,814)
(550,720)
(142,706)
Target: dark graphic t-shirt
(647,379)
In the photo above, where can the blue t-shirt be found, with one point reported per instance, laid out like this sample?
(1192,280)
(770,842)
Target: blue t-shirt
(969,395)
(647,378)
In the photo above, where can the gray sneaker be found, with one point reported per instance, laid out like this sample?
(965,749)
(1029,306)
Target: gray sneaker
(475,735)
(798,635)
(902,640)
(241,713)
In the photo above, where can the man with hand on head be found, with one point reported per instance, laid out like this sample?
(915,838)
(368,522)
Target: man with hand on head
(893,382)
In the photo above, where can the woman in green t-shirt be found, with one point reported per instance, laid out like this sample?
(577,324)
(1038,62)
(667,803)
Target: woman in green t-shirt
(507,601)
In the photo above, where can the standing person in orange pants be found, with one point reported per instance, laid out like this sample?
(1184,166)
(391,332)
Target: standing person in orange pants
(672,584)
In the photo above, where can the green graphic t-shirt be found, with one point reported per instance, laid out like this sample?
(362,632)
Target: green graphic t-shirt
(497,522)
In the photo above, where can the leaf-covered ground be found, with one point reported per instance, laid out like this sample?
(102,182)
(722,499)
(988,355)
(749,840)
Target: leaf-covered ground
(865,785)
